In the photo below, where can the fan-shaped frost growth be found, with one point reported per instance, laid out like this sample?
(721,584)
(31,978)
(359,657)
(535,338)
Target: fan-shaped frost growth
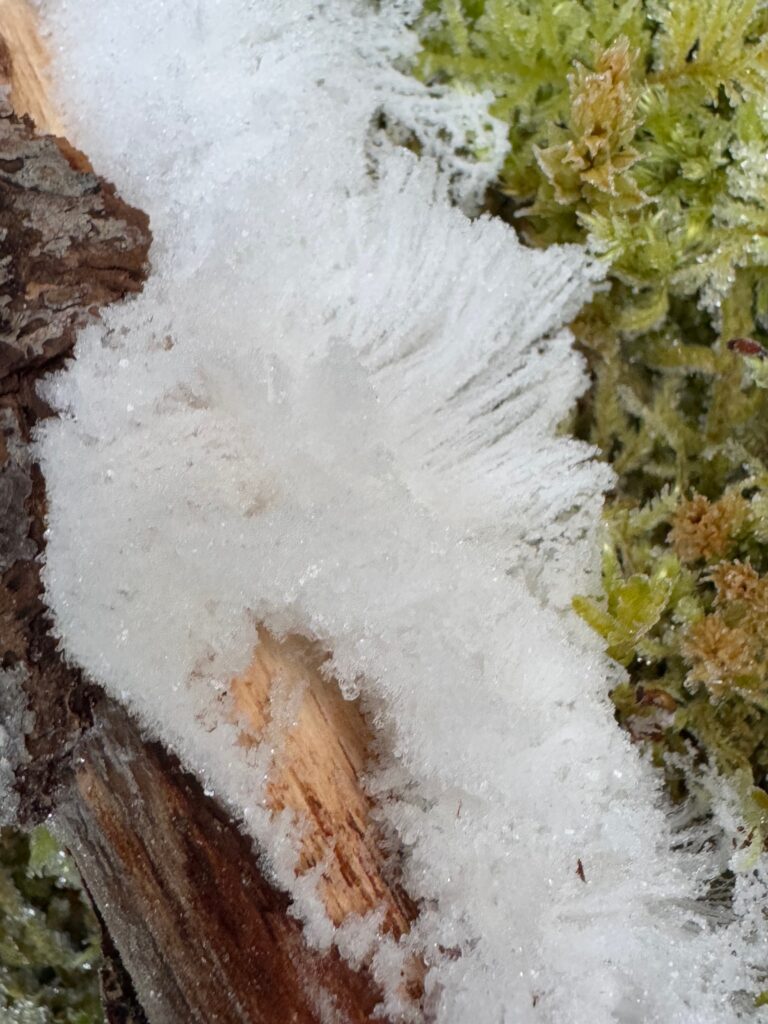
(333,411)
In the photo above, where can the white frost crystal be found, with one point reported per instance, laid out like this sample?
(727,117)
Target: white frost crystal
(333,410)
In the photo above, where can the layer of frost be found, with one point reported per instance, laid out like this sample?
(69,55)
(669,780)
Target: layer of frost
(334,410)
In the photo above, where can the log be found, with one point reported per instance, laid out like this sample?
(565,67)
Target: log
(195,930)
(70,246)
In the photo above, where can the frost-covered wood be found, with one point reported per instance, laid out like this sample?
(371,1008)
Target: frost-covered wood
(333,412)
(337,418)
(210,937)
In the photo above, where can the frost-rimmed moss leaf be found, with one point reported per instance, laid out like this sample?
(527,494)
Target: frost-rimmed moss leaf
(632,607)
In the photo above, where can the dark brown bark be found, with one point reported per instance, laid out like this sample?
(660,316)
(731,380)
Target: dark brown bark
(68,246)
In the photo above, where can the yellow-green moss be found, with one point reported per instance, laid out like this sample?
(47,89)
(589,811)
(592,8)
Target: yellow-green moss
(49,950)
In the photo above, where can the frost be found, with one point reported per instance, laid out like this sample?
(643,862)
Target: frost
(333,411)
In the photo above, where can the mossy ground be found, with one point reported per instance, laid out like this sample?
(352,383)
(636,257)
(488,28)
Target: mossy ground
(640,127)
(49,951)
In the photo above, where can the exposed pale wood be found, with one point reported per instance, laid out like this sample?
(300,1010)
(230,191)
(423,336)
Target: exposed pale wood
(322,757)
(24,65)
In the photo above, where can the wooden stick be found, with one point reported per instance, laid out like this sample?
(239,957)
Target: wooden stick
(203,934)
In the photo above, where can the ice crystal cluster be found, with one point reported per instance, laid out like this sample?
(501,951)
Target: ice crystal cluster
(333,411)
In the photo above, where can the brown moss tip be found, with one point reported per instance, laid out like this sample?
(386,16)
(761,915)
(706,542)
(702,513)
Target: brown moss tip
(706,530)
(735,581)
(718,654)
(603,124)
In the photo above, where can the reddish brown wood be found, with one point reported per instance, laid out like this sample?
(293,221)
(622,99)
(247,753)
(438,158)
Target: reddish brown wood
(202,932)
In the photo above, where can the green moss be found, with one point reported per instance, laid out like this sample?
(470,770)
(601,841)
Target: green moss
(640,127)
(630,124)
(49,951)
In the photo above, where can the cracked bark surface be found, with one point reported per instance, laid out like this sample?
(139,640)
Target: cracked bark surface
(68,246)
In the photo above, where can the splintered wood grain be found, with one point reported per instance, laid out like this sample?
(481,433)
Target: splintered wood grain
(24,65)
(322,755)
(69,246)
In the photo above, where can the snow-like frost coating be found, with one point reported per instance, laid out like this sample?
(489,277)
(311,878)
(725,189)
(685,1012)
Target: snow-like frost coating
(333,410)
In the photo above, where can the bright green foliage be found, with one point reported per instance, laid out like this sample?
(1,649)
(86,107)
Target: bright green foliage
(632,608)
(49,952)
(641,128)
